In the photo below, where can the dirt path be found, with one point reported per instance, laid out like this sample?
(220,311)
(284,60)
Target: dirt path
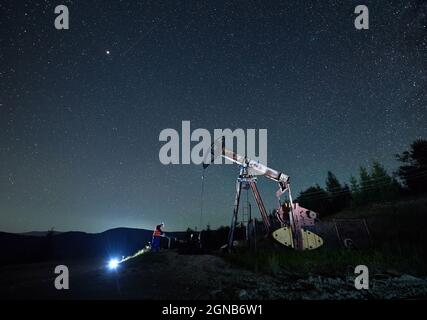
(168,275)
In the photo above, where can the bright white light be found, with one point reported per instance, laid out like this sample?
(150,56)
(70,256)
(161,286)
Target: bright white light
(113,264)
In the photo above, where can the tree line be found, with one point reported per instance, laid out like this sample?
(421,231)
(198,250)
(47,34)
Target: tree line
(371,185)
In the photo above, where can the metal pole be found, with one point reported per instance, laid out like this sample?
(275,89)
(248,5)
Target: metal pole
(295,229)
(261,206)
(235,211)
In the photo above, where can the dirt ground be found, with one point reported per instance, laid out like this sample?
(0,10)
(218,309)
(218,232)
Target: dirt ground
(169,275)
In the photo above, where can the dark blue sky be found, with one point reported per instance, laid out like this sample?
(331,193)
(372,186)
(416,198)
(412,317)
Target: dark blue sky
(79,127)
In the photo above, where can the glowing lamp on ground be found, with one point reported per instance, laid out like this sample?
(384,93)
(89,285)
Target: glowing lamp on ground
(113,264)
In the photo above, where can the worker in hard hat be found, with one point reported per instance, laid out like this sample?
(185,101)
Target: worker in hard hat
(157,234)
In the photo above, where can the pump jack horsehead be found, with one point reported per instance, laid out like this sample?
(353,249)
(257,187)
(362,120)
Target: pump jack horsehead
(292,217)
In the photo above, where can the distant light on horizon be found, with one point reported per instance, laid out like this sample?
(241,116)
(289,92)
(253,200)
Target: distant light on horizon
(80,149)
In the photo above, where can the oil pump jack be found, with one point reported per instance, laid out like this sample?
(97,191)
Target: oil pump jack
(293,218)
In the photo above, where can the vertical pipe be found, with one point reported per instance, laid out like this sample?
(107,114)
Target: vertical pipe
(234,218)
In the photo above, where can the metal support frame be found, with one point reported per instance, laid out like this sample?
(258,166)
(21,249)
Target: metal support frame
(244,177)
(261,206)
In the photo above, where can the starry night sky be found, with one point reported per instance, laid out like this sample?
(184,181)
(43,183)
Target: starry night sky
(81,110)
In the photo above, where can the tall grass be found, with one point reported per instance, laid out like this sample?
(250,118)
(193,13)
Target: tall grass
(327,262)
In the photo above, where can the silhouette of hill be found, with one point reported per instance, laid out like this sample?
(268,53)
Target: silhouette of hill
(38,246)
(38,233)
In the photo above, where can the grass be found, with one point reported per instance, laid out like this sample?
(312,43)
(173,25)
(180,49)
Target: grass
(327,262)
(145,255)
(397,229)
(398,232)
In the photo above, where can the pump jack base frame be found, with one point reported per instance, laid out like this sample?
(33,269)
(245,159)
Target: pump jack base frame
(251,181)
(301,239)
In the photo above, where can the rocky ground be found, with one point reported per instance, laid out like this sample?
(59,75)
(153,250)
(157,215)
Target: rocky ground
(169,275)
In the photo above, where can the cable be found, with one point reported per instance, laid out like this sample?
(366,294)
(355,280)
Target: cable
(322,195)
(201,199)
(372,181)
(372,184)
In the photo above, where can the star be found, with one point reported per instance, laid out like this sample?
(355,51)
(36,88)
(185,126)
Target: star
(330,94)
